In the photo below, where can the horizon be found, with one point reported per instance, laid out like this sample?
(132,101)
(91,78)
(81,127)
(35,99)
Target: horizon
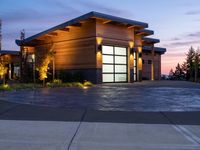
(175,23)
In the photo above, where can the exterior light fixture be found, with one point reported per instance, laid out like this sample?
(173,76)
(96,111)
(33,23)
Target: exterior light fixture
(99,48)
(132,50)
(140,55)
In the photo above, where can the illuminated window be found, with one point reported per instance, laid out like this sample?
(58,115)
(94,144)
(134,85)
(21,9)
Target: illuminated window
(114,60)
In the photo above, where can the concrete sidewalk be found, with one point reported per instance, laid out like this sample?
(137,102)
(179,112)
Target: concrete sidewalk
(25,127)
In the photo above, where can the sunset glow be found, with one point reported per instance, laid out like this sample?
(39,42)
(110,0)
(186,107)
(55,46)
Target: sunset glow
(175,22)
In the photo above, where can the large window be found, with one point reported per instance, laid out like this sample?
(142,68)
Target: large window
(114,67)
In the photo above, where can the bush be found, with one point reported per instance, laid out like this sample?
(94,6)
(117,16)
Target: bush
(87,83)
(5,87)
(57,81)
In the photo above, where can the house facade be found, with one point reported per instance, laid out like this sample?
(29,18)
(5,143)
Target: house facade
(12,60)
(103,48)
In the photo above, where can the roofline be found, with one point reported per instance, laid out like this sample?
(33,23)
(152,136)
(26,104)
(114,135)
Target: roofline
(9,52)
(156,49)
(150,40)
(148,32)
(78,19)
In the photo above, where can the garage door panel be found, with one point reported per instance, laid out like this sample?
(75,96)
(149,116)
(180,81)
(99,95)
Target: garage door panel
(114,61)
(120,60)
(108,77)
(108,59)
(120,77)
(108,68)
(120,68)
(107,50)
(120,51)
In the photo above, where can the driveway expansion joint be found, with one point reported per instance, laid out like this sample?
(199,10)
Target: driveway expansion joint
(78,127)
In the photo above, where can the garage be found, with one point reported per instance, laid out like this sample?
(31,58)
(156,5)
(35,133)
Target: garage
(114,64)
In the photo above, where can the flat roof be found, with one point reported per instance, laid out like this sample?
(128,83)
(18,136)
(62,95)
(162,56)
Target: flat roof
(150,40)
(11,52)
(92,14)
(157,49)
(145,32)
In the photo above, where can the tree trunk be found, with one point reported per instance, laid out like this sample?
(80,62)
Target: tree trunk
(4,80)
(44,83)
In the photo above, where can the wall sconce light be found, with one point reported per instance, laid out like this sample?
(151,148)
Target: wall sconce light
(132,50)
(99,48)
(140,55)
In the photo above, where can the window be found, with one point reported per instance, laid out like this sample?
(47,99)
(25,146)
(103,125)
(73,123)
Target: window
(107,50)
(149,61)
(108,68)
(107,59)
(114,61)
(143,61)
(108,77)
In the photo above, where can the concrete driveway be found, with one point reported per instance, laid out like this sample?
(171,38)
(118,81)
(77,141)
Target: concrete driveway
(144,96)
(26,127)
(140,116)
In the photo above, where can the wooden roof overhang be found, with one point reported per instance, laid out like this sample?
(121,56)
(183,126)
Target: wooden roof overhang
(65,27)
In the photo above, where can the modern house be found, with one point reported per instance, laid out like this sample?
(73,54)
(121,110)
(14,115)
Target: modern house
(103,48)
(12,60)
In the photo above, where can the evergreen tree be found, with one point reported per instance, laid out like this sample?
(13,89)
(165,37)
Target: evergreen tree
(171,74)
(179,74)
(196,64)
(190,64)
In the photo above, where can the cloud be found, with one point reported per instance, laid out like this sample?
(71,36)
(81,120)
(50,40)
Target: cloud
(180,43)
(196,34)
(193,12)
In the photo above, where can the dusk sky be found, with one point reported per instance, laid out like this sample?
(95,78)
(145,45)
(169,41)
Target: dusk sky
(175,22)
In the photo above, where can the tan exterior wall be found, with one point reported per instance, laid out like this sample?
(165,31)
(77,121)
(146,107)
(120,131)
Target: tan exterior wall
(74,49)
(146,71)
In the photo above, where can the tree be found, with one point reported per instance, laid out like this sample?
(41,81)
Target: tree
(171,74)
(179,74)
(190,64)
(44,66)
(196,64)
(3,69)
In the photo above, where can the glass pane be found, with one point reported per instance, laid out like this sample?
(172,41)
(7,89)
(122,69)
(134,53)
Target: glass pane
(108,78)
(107,59)
(108,68)
(120,51)
(120,60)
(135,77)
(134,70)
(120,68)
(134,63)
(107,50)
(134,55)
(120,77)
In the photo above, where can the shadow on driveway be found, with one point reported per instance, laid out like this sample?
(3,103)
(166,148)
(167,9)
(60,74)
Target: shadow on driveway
(14,111)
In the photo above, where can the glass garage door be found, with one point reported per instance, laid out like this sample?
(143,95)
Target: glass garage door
(114,60)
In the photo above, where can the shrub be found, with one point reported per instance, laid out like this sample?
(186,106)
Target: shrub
(57,81)
(87,83)
(5,87)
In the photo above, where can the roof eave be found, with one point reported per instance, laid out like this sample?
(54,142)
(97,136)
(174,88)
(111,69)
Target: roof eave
(83,17)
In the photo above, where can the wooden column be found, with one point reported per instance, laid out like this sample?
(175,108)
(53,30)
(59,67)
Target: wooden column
(152,64)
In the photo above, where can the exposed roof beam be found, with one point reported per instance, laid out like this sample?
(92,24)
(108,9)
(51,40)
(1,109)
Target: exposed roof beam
(64,29)
(107,21)
(76,25)
(53,34)
(130,27)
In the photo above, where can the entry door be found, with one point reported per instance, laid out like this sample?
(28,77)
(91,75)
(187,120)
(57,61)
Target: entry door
(114,60)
